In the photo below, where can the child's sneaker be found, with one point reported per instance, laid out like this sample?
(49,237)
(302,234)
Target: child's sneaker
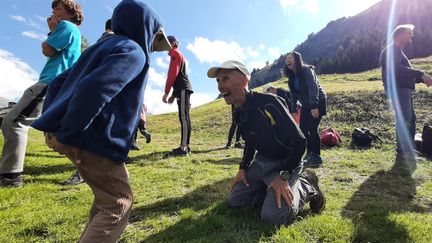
(312,161)
(16,182)
(178,152)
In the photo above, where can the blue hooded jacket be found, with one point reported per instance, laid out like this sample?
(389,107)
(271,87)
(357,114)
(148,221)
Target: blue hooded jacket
(95,105)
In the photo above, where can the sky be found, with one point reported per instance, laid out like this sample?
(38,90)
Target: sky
(210,32)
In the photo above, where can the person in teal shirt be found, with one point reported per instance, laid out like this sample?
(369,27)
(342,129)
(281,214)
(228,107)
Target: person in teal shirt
(63,48)
(66,41)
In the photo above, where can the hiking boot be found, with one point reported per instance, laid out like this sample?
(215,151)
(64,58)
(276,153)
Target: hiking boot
(147,135)
(228,145)
(238,145)
(312,161)
(74,179)
(178,152)
(316,202)
(305,157)
(406,165)
(135,146)
(16,182)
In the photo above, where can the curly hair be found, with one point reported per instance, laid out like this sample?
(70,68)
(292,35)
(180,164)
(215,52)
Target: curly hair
(72,8)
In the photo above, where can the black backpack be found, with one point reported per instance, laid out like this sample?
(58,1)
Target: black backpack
(363,137)
(427,140)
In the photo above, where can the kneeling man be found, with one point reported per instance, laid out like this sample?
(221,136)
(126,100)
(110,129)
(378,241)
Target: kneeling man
(270,174)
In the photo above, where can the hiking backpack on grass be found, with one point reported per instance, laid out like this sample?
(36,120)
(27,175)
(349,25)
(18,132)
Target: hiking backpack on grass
(427,140)
(363,137)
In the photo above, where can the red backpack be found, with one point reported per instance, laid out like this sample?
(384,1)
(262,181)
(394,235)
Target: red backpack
(330,137)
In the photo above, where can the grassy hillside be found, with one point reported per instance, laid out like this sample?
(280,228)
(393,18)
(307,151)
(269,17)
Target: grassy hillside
(183,199)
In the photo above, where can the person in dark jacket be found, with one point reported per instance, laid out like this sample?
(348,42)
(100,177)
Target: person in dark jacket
(233,129)
(108,30)
(305,88)
(399,82)
(91,112)
(270,173)
(182,90)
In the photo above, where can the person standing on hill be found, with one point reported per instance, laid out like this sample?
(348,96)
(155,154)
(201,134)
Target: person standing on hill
(62,48)
(233,129)
(142,125)
(399,83)
(305,87)
(91,112)
(108,30)
(182,90)
(142,128)
(270,174)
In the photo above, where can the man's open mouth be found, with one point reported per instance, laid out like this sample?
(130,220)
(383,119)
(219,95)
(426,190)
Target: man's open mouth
(225,94)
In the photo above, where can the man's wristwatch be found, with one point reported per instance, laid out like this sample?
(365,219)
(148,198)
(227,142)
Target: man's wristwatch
(285,175)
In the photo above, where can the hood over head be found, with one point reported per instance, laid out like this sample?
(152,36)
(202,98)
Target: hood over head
(138,21)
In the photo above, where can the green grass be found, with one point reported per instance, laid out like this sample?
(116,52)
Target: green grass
(183,199)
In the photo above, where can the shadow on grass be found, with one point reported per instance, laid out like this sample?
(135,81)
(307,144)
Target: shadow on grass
(208,150)
(204,217)
(370,208)
(354,146)
(227,161)
(45,151)
(148,159)
(42,179)
(44,155)
(48,169)
(155,157)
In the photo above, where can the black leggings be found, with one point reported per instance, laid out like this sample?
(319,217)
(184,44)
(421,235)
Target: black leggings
(183,103)
(233,129)
(309,127)
(141,127)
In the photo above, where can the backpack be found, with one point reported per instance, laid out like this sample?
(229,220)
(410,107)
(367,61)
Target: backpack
(427,140)
(330,137)
(363,137)
(418,142)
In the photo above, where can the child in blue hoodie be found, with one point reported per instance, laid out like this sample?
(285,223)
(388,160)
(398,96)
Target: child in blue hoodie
(91,112)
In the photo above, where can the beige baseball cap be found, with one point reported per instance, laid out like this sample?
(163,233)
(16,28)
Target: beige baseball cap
(161,42)
(231,64)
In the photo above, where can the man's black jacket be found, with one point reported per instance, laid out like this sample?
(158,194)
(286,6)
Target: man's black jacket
(267,127)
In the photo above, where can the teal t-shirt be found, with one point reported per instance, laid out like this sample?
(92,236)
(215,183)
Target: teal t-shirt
(66,40)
